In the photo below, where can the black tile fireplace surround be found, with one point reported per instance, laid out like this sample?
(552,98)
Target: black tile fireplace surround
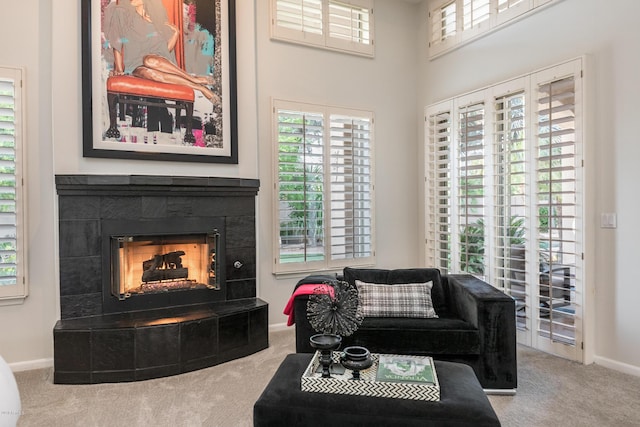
(101,339)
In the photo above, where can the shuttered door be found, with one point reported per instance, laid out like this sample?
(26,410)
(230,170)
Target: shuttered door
(556,206)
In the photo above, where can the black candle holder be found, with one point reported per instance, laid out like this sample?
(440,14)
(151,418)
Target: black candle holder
(325,343)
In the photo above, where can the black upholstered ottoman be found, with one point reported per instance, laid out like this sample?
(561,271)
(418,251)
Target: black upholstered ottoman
(282,403)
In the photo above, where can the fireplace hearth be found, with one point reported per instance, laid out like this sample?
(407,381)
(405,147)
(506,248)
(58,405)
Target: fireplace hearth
(157,276)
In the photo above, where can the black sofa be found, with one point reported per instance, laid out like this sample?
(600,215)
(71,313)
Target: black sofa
(475,323)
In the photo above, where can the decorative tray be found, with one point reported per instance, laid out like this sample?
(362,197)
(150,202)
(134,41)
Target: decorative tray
(404,387)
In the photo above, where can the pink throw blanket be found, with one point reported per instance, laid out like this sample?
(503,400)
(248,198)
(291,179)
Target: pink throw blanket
(305,290)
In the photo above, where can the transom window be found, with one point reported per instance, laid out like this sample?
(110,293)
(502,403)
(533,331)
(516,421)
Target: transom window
(345,25)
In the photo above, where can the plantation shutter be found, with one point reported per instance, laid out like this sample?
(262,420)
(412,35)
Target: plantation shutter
(471,190)
(300,15)
(298,20)
(300,185)
(511,217)
(509,9)
(351,188)
(443,27)
(504,5)
(474,13)
(350,27)
(12,231)
(439,190)
(556,203)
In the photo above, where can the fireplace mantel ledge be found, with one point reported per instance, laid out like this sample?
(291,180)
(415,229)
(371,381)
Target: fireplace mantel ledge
(127,184)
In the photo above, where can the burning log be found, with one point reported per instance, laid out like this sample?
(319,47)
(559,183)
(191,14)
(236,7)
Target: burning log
(164,267)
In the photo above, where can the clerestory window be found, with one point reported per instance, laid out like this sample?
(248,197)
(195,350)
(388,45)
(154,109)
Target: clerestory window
(456,22)
(345,25)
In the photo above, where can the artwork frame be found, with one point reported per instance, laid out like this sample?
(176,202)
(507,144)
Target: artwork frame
(136,113)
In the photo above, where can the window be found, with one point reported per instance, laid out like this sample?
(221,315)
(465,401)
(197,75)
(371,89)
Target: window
(339,25)
(504,195)
(324,181)
(455,22)
(12,194)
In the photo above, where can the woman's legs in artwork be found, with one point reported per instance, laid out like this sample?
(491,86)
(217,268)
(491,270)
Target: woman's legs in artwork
(160,69)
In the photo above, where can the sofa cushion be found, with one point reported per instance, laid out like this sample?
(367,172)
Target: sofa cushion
(402,275)
(403,300)
(403,335)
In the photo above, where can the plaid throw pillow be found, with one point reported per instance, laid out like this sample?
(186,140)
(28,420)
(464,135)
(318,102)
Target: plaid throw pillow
(402,300)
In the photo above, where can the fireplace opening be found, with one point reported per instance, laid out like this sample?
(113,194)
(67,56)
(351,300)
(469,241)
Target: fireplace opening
(162,263)
(147,264)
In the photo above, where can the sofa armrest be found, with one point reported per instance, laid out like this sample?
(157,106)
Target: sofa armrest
(302,325)
(493,313)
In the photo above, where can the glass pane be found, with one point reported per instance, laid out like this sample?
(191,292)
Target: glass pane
(301,186)
(471,190)
(556,209)
(510,215)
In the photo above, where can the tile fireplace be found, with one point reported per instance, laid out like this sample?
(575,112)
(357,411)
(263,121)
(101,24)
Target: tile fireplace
(157,276)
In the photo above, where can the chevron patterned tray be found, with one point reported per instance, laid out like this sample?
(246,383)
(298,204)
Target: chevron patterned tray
(312,381)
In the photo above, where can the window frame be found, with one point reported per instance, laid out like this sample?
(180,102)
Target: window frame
(16,293)
(324,40)
(327,263)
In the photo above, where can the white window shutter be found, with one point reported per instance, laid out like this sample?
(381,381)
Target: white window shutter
(439,186)
(298,21)
(351,189)
(351,26)
(12,193)
(511,196)
(300,186)
(471,188)
(444,27)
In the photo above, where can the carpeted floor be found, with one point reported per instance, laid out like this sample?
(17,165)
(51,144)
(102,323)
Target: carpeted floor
(551,392)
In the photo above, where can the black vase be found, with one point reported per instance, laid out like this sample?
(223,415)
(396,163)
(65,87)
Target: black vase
(356,359)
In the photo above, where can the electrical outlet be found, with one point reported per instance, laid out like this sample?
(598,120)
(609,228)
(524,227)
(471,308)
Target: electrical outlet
(608,220)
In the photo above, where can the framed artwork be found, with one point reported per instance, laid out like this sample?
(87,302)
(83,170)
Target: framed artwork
(159,80)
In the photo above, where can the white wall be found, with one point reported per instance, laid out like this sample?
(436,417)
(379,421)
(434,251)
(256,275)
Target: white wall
(607,33)
(26,330)
(384,85)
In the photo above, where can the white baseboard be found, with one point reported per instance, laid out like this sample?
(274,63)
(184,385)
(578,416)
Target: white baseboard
(278,327)
(617,366)
(31,364)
